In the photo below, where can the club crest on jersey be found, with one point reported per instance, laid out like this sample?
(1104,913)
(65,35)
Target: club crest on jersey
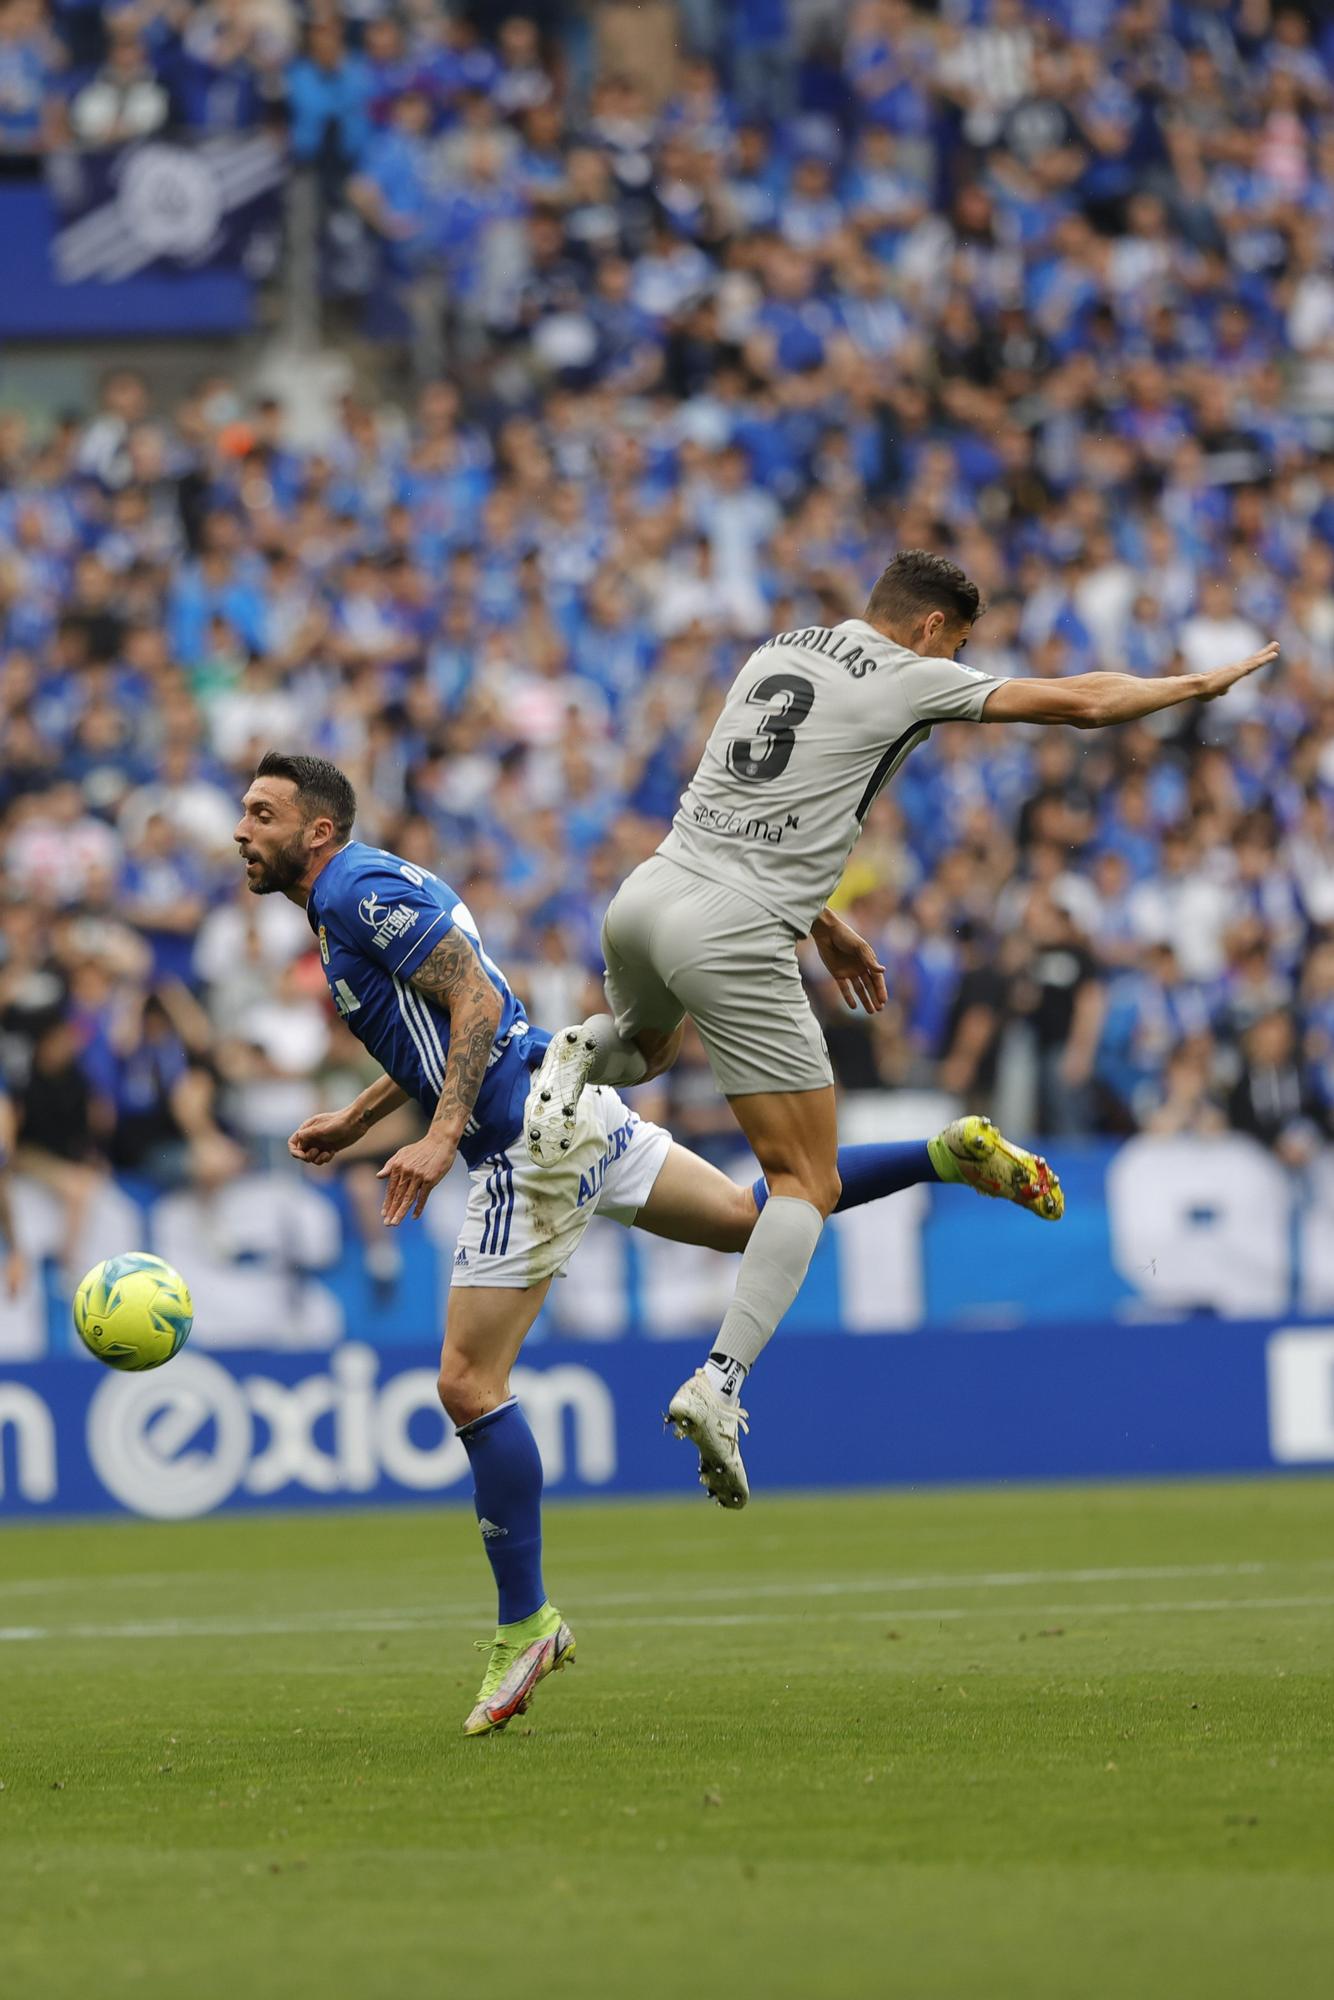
(323,936)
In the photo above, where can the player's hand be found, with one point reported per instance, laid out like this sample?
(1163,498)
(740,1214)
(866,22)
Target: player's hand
(1224,678)
(317,1139)
(411,1174)
(850,961)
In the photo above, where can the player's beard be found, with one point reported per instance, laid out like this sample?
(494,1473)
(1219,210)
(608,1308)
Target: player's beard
(278,872)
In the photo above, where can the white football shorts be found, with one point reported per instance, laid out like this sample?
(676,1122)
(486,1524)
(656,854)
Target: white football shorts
(523,1223)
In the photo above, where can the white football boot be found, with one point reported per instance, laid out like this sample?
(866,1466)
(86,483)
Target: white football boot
(711,1423)
(553,1098)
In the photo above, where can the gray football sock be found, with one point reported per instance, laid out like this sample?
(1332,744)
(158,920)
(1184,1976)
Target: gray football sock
(773,1265)
(617,1061)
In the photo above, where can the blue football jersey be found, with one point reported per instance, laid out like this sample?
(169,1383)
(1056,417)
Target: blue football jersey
(377,919)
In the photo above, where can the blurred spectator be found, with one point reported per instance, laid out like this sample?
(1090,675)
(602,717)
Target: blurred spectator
(162,1098)
(1272,1098)
(1183,904)
(521,82)
(123,100)
(1186,1104)
(1151,1013)
(163,886)
(59,1123)
(57,847)
(1057,996)
(393,189)
(13,1265)
(329,92)
(29,60)
(231,56)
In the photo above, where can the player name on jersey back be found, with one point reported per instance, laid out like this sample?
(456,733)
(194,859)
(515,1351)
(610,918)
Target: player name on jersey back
(814,726)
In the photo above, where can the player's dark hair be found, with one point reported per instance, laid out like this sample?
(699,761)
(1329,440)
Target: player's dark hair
(915,583)
(320,787)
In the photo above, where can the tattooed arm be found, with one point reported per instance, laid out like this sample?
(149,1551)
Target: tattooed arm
(325,1133)
(451,978)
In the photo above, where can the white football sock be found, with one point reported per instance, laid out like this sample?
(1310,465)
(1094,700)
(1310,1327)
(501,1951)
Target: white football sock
(726,1375)
(773,1265)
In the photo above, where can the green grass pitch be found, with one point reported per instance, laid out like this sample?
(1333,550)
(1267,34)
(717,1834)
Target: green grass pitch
(1039,1743)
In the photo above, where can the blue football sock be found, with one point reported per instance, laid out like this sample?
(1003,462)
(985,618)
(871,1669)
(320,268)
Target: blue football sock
(507,1484)
(869,1173)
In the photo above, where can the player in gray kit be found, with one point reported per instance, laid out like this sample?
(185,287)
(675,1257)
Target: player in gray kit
(815,725)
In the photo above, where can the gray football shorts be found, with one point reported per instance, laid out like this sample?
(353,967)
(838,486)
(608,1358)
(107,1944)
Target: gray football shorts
(676,944)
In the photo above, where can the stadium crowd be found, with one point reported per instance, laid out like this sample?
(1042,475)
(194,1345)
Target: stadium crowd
(1044,288)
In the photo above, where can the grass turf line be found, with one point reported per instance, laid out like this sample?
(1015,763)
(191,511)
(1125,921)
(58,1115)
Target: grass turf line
(985,1744)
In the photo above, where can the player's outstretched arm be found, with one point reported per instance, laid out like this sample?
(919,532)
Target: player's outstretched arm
(451,978)
(1096,701)
(325,1133)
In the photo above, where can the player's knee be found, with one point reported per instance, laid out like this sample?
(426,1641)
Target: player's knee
(831,1193)
(465,1391)
(808,1180)
(823,1188)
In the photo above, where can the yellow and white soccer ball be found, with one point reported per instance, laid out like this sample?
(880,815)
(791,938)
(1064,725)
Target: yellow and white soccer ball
(133,1311)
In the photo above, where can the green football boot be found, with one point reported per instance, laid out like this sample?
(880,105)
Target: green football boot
(521,1656)
(972,1150)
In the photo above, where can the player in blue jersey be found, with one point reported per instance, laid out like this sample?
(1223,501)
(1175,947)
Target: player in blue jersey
(408,974)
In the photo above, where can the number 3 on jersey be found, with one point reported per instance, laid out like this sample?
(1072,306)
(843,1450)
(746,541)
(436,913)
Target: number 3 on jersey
(787,700)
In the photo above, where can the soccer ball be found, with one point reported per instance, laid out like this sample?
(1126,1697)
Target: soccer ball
(133,1311)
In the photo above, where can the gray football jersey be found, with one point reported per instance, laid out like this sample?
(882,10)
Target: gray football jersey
(815,724)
